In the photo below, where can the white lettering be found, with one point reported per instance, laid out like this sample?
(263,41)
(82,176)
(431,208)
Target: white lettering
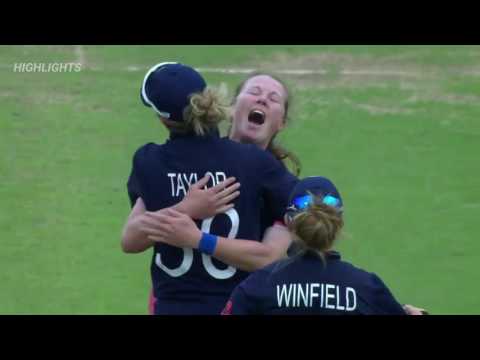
(354,297)
(171,176)
(220,176)
(184,266)
(303,294)
(192,180)
(283,295)
(207,259)
(328,296)
(180,185)
(313,293)
(211,177)
(338,299)
(294,296)
(321,295)
(183,181)
(328,287)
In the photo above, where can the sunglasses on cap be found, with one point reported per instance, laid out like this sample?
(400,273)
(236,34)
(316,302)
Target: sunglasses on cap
(301,203)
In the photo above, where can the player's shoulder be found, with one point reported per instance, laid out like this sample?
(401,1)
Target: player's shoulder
(245,153)
(241,147)
(148,148)
(258,276)
(365,277)
(279,268)
(255,284)
(145,152)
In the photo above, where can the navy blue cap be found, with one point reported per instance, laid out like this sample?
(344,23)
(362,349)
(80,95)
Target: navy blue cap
(319,186)
(167,88)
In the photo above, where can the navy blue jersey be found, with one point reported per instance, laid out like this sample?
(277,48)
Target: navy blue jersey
(267,218)
(184,280)
(305,285)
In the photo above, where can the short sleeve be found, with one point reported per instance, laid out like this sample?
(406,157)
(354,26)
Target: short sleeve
(382,300)
(134,183)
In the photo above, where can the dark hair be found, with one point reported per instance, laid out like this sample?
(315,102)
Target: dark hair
(280,152)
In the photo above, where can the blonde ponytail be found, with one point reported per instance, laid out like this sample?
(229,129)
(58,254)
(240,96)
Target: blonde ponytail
(317,227)
(205,112)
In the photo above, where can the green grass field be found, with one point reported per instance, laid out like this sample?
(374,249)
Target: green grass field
(396,127)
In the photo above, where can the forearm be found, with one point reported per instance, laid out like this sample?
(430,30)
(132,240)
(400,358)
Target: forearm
(178,229)
(182,207)
(249,255)
(246,255)
(133,239)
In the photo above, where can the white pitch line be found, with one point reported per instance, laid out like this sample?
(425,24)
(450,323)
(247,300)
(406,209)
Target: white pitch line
(81,58)
(80,55)
(382,73)
(296,72)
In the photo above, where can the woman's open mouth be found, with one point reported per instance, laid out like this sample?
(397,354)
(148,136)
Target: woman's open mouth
(256,117)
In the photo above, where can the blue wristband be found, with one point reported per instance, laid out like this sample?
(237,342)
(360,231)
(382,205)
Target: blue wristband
(207,244)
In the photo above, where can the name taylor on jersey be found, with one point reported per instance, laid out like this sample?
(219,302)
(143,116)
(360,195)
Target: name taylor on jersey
(181,182)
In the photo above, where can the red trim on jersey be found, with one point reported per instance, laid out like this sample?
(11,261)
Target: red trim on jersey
(279,222)
(151,303)
(228,308)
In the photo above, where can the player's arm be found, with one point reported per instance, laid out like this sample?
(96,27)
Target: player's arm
(413,310)
(134,240)
(249,255)
(177,229)
(198,203)
(380,300)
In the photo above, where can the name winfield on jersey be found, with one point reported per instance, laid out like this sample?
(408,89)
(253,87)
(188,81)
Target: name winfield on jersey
(308,284)
(327,296)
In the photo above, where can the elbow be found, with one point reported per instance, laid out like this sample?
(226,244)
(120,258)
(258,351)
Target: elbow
(269,255)
(263,262)
(265,258)
(130,250)
(131,245)
(126,246)
(250,267)
(255,265)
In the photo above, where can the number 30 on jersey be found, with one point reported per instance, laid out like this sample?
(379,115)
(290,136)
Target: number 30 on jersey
(206,259)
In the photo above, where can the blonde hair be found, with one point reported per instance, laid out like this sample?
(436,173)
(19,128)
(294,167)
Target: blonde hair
(317,227)
(205,111)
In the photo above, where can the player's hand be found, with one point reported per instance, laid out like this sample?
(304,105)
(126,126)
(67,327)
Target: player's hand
(200,203)
(171,227)
(412,310)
